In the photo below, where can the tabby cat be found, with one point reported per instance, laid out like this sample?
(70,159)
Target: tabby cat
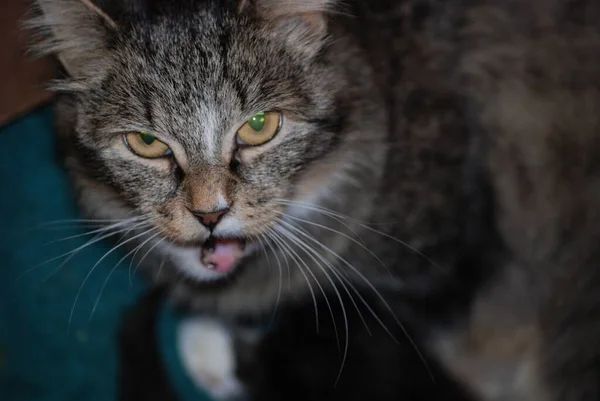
(427,166)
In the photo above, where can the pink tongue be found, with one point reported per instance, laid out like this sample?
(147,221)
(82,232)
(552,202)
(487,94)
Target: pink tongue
(222,254)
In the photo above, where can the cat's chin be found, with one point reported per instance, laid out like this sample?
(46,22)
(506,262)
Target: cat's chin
(216,259)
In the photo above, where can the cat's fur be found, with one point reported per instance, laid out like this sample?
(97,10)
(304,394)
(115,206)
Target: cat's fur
(468,129)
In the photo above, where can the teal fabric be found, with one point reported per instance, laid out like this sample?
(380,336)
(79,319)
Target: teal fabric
(42,356)
(45,353)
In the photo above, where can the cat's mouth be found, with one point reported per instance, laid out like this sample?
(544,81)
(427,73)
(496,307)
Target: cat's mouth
(222,254)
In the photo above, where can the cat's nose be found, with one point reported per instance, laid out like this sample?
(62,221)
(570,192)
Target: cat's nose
(210,219)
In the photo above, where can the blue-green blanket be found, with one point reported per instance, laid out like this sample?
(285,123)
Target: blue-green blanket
(58,324)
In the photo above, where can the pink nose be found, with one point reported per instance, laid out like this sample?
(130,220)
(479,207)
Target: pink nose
(210,219)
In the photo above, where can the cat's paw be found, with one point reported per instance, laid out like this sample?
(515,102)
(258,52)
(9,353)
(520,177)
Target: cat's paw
(207,351)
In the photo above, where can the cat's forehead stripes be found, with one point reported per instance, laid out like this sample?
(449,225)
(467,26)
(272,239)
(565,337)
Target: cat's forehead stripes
(198,105)
(196,96)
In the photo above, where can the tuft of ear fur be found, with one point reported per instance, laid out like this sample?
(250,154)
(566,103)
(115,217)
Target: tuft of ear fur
(295,7)
(76,31)
(302,22)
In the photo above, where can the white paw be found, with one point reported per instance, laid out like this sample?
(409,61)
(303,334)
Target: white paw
(207,352)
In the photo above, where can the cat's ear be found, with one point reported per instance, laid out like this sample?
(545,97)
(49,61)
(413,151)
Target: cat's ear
(76,31)
(302,22)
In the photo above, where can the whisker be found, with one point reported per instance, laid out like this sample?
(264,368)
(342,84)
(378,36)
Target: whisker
(137,249)
(366,227)
(339,296)
(394,278)
(81,221)
(160,268)
(145,255)
(268,242)
(65,227)
(62,264)
(262,247)
(297,259)
(287,263)
(98,230)
(104,284)
(375,291)
(96,265)
(329,265)
(76,250)
(323,211)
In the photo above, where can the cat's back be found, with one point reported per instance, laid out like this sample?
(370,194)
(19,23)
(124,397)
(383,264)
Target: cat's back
(551,42)
(525,76)
(512,86)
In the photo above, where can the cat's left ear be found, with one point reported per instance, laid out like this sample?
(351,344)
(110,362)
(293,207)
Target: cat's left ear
(76,31)
(302,22)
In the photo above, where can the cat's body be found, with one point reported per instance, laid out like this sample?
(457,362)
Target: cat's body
(451,145)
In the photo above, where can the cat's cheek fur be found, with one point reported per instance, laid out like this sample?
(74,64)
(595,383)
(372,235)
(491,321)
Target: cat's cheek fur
(142,184)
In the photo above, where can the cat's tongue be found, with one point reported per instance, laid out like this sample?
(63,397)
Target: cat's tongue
(222,254)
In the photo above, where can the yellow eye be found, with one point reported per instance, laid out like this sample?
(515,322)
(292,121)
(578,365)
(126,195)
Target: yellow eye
(146,145)
(260,128)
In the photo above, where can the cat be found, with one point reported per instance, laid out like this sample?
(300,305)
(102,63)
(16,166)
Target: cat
(432,161)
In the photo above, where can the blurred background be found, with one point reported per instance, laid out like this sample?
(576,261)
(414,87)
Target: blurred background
(58,318)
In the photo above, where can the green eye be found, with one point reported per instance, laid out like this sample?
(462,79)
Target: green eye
(257,121)
(147,138)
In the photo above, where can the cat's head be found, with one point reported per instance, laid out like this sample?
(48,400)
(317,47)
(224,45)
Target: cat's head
(205,117)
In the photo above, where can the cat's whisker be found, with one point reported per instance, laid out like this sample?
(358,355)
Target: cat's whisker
(266,239)
(341,279)
(329,212)
(79,222)
(284,246)
(67,227)
(367,227)
(72,252)
(98,230)
(299,243)
(329,265)
(357,293)
(160,268)
(112,270)
(262,247)
(375,291)
(326,214)
(287,263)
(62,264)
(114,248)
(362,245)
(145,255)
(137,249)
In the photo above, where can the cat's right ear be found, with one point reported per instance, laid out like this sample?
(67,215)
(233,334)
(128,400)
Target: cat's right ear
(76,31)
(302,22)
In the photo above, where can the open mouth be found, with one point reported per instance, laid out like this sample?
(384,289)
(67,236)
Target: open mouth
(222,254)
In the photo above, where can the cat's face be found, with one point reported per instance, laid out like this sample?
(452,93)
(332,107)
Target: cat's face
(205,119)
